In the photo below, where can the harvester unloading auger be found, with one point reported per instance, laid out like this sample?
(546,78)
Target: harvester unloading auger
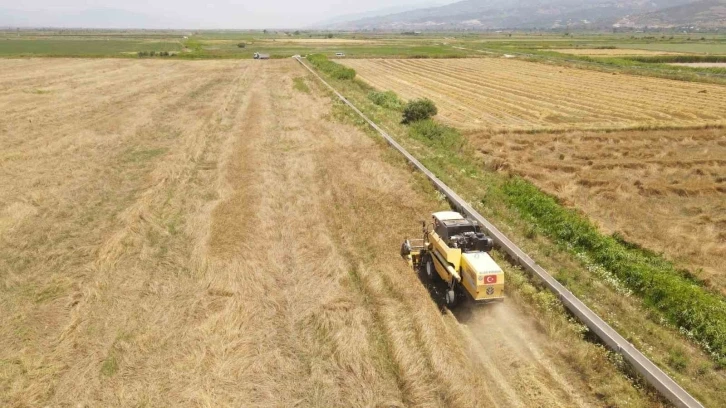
(457,252)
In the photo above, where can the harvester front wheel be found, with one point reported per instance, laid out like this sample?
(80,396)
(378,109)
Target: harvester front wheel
(430,270)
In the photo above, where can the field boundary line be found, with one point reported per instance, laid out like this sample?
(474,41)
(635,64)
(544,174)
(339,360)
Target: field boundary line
(609,336)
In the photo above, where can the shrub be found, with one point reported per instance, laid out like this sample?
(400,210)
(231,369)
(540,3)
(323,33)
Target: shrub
(388,99)
(331,68)
(435,133)
(418,109)
(241,45)
(152,53)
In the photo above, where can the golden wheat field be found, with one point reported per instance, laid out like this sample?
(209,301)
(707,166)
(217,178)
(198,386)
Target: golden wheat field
(665,190)
(501,93)
(203,234)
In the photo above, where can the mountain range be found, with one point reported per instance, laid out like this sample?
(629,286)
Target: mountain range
(707,14)
(403,8)
(548,14)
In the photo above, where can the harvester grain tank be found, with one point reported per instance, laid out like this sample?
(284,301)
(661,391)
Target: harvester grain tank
(457,252)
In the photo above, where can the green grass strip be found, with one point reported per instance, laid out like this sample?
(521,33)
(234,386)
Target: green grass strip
(331,68)
(661,285)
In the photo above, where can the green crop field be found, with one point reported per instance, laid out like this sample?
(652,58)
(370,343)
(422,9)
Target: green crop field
(280,44)
(77,47)
(220,44)
(283,50)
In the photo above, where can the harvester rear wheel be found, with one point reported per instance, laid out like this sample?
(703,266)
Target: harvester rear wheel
(450,298)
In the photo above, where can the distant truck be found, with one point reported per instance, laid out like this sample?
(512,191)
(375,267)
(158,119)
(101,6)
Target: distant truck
(261,56)
(339,54)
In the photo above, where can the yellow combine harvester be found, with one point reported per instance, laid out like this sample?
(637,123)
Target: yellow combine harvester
(456,251)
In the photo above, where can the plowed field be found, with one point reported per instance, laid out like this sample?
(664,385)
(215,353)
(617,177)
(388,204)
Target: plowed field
(202,234)
(498,93)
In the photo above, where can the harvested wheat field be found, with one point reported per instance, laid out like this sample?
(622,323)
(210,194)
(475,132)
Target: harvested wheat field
(499,93)
(665,190)
(700,64)
(201,234)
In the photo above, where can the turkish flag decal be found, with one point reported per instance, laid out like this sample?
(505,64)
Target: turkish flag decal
(490,279)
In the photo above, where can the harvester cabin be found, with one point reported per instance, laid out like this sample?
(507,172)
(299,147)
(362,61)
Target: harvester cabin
(448,224)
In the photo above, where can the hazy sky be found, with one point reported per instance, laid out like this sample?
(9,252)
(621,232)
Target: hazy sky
(214,13)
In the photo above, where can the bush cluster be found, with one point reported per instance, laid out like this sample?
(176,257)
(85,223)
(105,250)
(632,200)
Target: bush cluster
(419,109)
(682,301)
(331,68)
(388,99)
(155,54)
